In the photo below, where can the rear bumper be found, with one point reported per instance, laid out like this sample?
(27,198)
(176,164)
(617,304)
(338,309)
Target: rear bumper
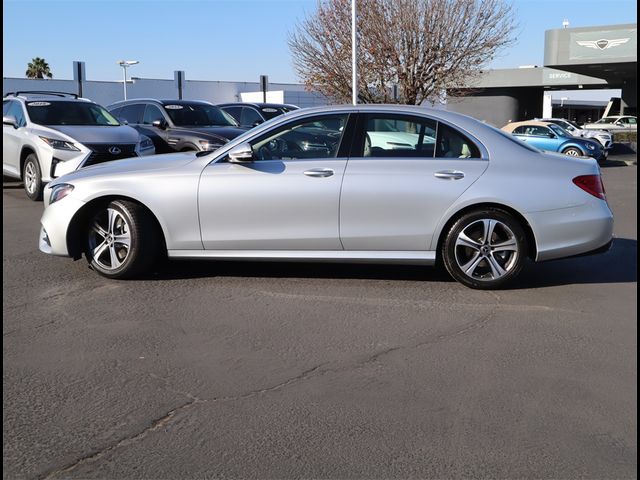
(567,232)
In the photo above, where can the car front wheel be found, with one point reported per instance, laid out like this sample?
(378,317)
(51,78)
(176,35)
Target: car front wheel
(573,152)
(122,240)
(485,249)
(32,177)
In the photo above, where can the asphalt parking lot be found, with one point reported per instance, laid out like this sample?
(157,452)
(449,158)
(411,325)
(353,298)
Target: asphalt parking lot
(252,370)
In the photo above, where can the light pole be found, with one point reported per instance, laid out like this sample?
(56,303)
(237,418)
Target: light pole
(354,71)
(126,64)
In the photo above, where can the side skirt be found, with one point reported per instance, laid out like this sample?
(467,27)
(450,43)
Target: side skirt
(339,256)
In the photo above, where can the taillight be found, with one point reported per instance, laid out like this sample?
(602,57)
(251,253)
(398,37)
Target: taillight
(591,184)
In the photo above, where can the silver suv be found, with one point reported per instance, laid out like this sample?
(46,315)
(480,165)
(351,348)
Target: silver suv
(48,134)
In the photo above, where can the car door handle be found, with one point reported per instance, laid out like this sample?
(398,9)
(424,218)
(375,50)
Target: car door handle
(319,172)
(449,175)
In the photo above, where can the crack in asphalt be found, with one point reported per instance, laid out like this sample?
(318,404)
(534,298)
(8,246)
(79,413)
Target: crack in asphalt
(96,455)
(316,371)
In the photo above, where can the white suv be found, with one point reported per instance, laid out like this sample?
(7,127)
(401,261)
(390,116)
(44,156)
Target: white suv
(48,134)
(619,122)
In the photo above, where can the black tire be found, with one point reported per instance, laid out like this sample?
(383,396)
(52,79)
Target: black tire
(32,177)
(144,237)
(491,263)
(573,152)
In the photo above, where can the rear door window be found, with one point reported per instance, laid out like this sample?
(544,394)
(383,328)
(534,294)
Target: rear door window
(392,135)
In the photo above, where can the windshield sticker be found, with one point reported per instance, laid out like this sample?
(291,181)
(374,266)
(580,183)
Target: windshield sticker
(38,104)
(173,107)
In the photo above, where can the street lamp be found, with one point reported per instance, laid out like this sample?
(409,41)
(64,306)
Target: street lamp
(354,53)
(126,64)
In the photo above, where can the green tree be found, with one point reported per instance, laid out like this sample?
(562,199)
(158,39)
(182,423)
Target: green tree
(38,68)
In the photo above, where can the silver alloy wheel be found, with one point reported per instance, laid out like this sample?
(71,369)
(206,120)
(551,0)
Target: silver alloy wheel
(110,239)
(486,249)
(30,178)
(572,152)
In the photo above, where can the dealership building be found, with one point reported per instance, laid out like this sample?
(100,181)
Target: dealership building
(576,60)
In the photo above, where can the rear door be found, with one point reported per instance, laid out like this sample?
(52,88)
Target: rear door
(405,171)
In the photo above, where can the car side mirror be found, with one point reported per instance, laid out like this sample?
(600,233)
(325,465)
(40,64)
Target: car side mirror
(10,120)
(159,124)
(551,135)
(256,123)
(123,121)
(242,153)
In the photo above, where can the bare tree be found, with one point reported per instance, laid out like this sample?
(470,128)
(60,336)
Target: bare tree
(423,46)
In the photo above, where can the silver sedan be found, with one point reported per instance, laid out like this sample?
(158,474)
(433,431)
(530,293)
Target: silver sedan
(367,183)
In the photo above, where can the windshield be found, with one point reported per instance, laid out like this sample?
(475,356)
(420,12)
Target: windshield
(199,115)
(70,113)
(565,124)
(561,132)
(270,112)
(607,120)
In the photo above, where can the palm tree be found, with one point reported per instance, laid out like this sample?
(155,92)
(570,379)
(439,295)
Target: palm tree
(38,68)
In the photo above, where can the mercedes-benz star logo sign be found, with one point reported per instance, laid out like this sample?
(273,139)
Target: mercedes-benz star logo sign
(603,43)
(114,150)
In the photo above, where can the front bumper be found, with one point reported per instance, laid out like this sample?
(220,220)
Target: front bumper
(54,226)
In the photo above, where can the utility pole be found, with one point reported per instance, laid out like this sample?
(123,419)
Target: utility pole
(354,48)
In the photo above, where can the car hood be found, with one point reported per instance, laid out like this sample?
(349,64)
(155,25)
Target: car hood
(99,134)
(587,141)
(129,166)
(228,133)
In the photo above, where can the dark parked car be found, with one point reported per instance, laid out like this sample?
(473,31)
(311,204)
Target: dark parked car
(178,125)
(252,114)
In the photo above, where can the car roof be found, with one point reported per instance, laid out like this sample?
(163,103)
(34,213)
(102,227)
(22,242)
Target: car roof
(257,104)
(48,96)
(510,127)
(132,101)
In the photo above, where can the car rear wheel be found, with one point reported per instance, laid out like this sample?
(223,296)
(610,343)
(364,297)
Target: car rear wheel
(485,249)
(572,151)
(122,240)
(32,177)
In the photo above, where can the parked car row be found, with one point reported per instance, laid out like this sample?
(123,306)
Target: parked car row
(549,135)
(561,135)
(48,134)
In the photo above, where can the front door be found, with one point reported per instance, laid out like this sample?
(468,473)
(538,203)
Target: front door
(286,199)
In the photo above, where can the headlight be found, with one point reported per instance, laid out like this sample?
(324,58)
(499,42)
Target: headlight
(58,192)
(146,143)
(590,146)
(60,144)
(209,145)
